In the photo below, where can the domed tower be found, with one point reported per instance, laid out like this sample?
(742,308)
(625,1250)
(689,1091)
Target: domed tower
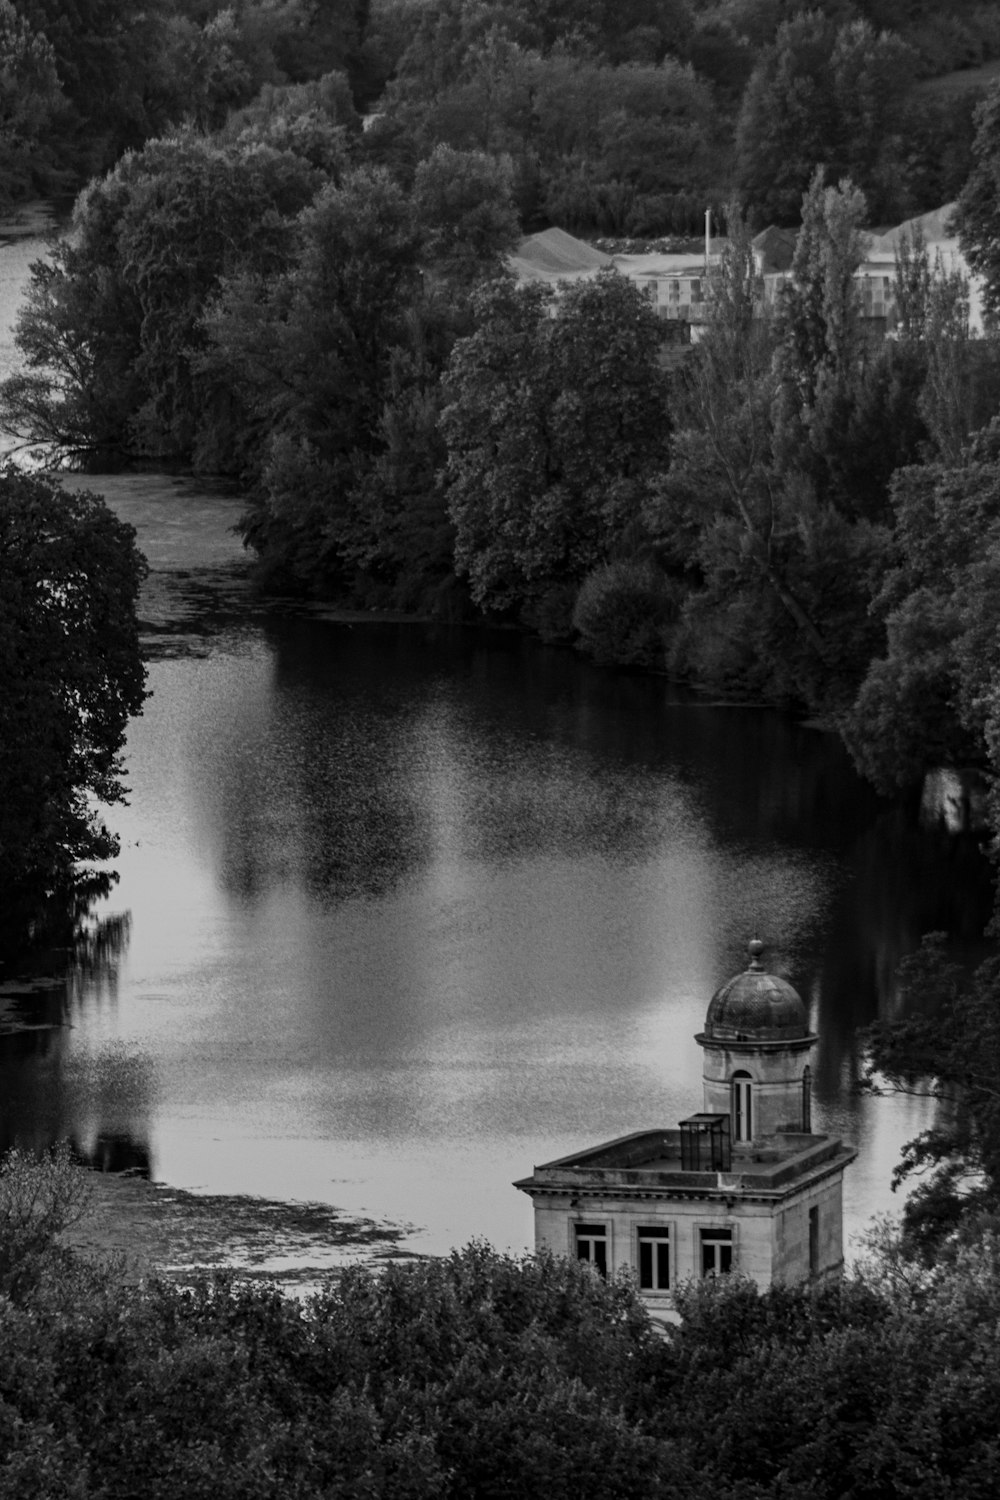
(745,1185)
(758,1053)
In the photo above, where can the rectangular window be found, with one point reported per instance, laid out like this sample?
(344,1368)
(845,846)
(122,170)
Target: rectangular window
(654,1258)
(813,1240)
(742,1108)
(716,1251)
(592,1245)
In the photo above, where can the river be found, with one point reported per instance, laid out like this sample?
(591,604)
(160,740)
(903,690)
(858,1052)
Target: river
(405,909)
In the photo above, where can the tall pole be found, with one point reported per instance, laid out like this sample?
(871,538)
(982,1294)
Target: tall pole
(708,236)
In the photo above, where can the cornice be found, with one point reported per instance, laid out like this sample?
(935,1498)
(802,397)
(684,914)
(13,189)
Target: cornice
(648,1192)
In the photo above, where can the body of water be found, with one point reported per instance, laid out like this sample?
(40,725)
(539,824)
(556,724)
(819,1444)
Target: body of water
(406,909)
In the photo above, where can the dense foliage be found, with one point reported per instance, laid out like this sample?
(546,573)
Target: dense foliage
(617,118)
(556,425)
(788,509)
(320,310)
(479,1376)
(70,678)
(948,1048)
(86,80)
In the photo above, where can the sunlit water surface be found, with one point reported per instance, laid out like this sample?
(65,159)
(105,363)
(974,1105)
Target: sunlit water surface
(407,909)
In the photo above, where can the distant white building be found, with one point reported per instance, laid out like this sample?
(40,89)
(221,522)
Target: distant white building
(744,1184)
(943,250)
(675,285)
(876,274)
(678,286)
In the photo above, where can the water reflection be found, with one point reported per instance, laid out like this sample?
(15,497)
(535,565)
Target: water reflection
(364,751)
(115,1153)
(96,957)
(53,1090)
(413,908)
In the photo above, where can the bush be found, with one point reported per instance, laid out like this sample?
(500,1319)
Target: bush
(622,614)
(40,1197)
(548,611)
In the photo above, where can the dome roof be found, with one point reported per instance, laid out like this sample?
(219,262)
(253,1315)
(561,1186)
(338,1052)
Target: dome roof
(756,1006)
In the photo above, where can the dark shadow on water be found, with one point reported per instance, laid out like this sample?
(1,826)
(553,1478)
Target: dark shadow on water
(382,739)
(379,723)
(45,1091)
(115,1153)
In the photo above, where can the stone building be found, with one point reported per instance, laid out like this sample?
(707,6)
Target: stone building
(745,1183)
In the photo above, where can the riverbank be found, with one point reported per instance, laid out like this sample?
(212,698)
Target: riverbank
(149,1228)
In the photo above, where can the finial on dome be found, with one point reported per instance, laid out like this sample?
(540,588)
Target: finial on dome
(756,948)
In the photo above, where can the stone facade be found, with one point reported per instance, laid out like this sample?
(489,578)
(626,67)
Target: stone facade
(780,1075)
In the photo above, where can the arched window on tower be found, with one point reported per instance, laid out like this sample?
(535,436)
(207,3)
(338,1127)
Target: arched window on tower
(807,1099)
(742,1107)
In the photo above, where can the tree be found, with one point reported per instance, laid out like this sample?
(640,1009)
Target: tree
(777,606)
(477,1376)
(116,66)
(315,120)
(725,442)
(846,415)
(976,216)
(593,145)
(40,1198)
(466,1378)
(925,703)
(819,338)
(823,95)
(30,98)
(218,74)
(465,200)
(947,1048)
(623,612)
(614,143)
(312,354)
(70,678)
(556,420)
(113,320)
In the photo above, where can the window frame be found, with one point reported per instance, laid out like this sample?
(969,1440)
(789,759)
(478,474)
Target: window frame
(593,1232)
(741,1105)
(807,1100)
(655,1235)
(725,1239)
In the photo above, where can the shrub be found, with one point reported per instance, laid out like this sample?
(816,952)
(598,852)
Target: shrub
(40,1197)
(623,612)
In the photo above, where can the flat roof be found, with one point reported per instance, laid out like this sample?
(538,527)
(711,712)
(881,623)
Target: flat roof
(650,1161)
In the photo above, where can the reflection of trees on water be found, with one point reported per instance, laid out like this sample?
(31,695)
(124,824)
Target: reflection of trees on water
(307,794)
(903,881)
(374,750)
(114,1153)
(45,984)
(96,956)
(49,1091)
(374,743)
(101,1103)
